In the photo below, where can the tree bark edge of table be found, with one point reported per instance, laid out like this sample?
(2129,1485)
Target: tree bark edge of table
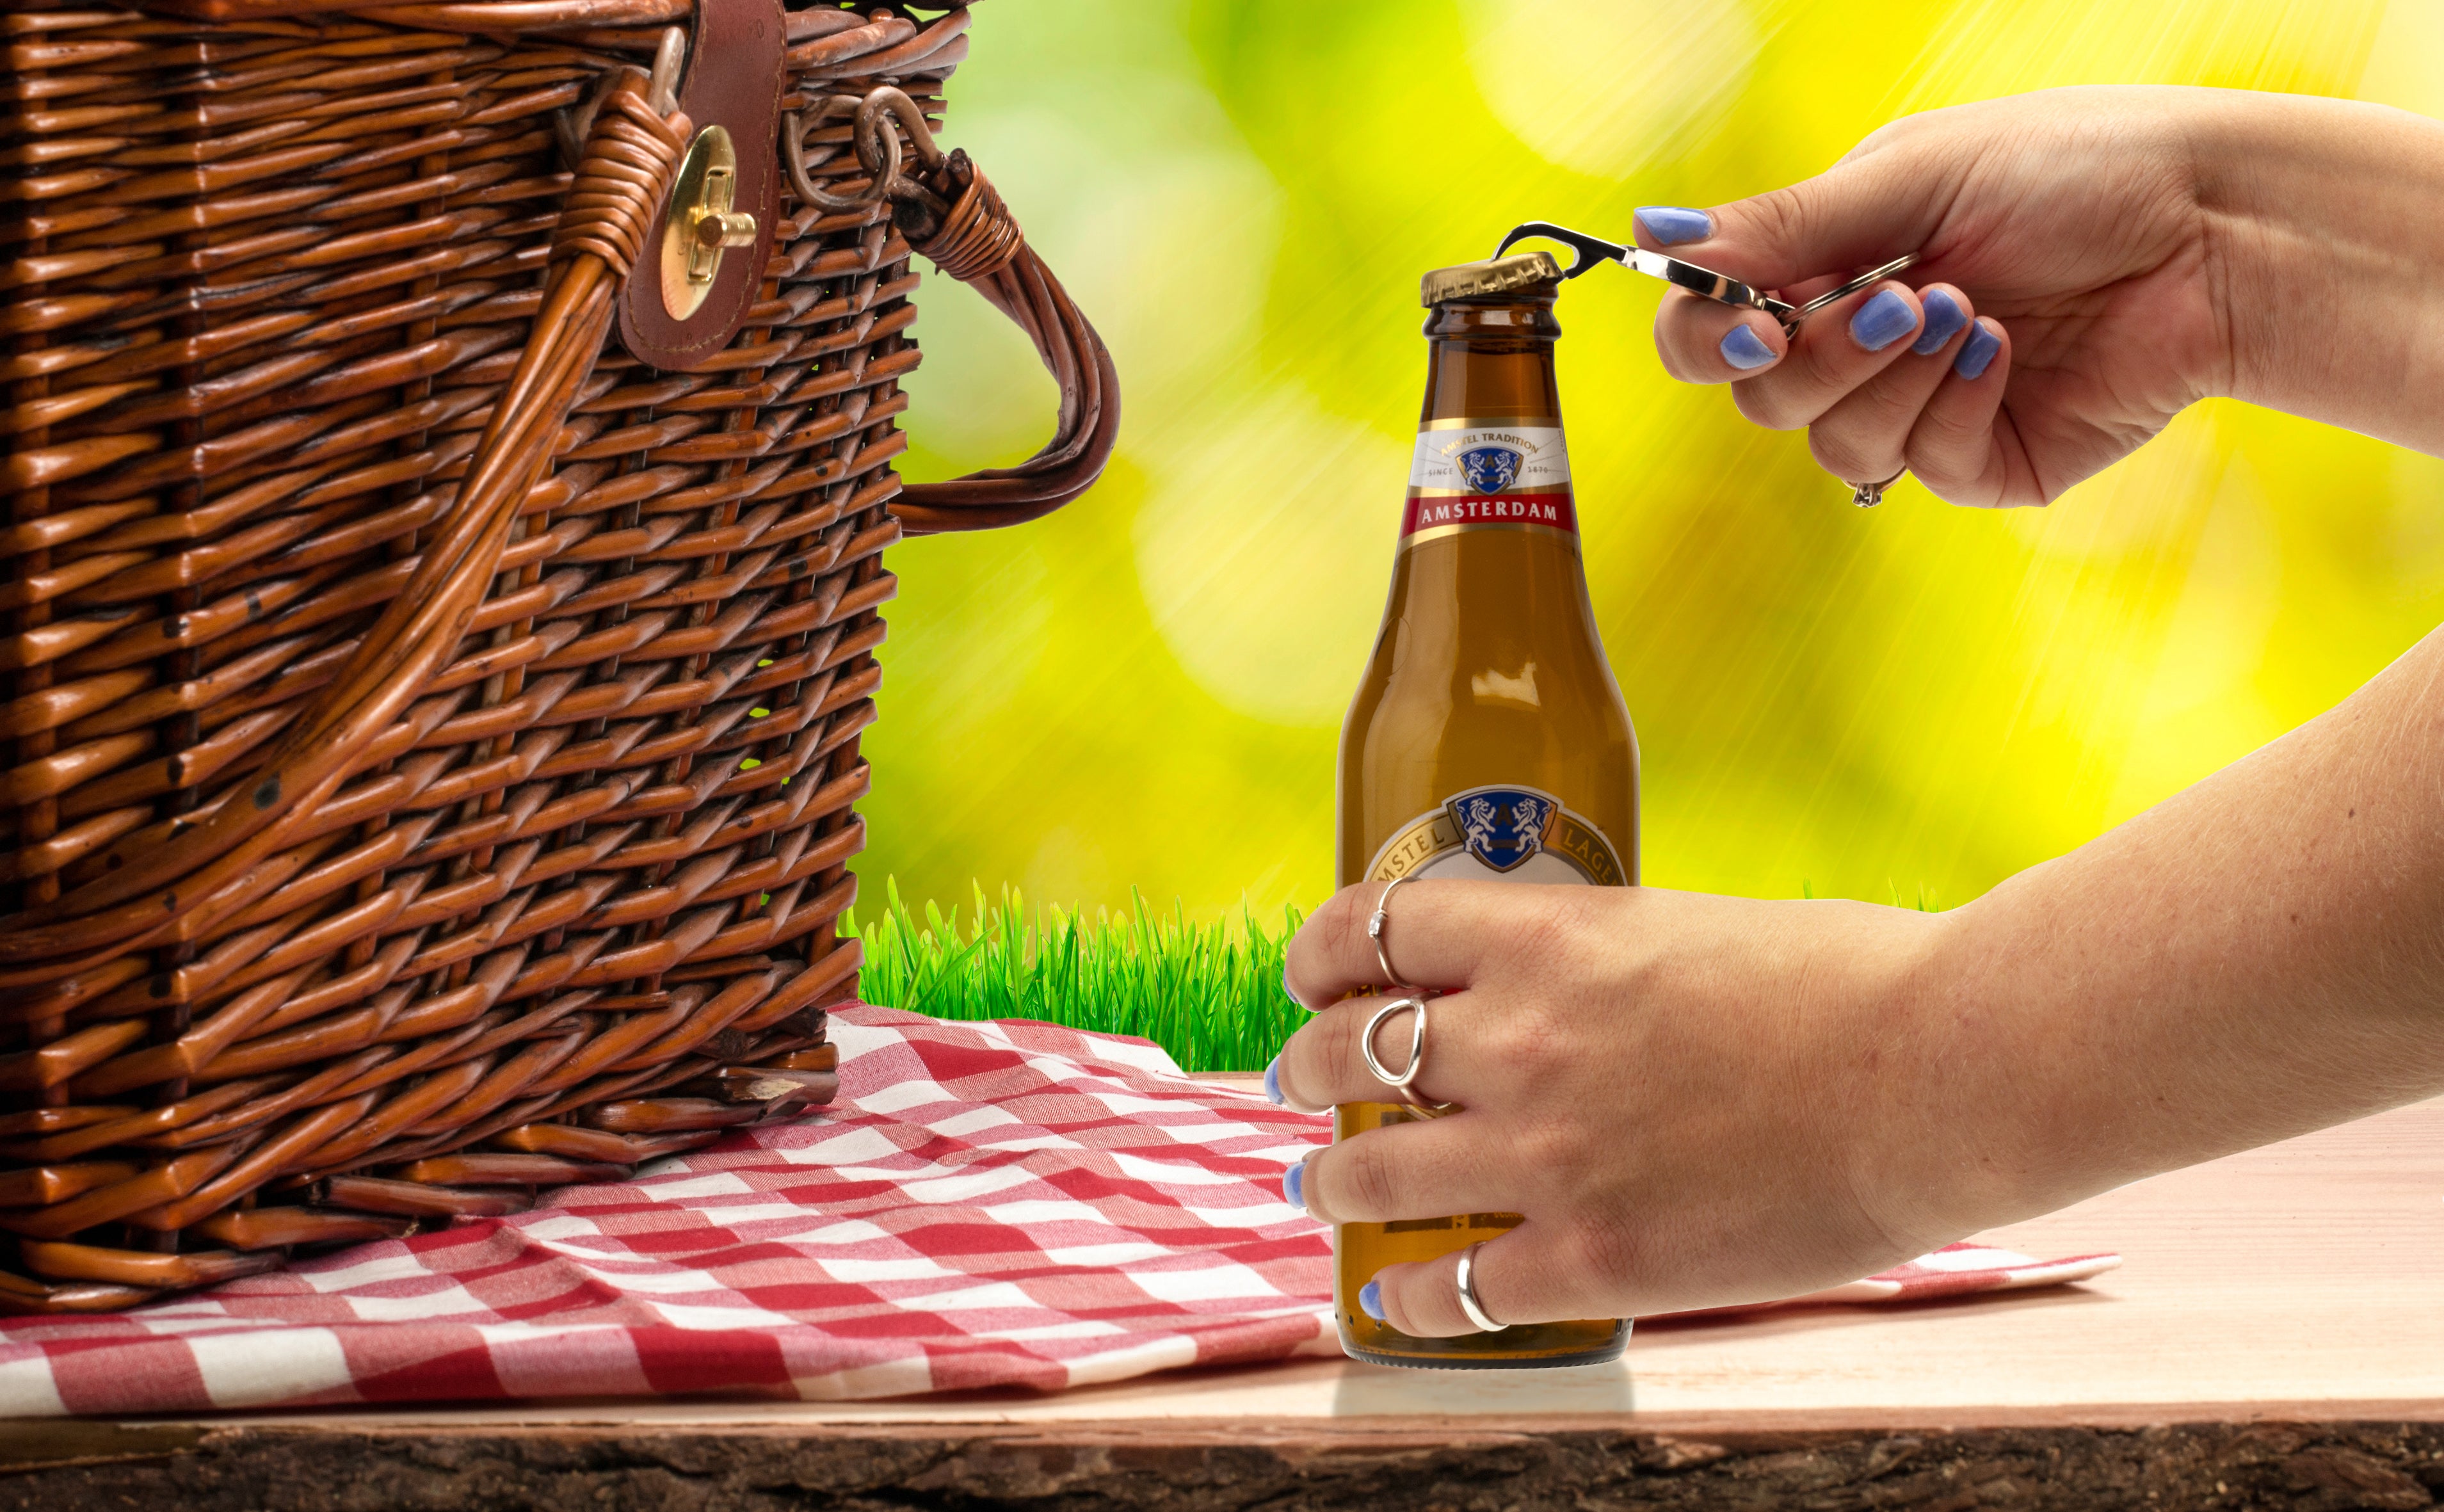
(2310,1466)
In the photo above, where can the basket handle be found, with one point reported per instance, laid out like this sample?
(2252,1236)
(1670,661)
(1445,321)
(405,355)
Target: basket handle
(951,215)
(156,887)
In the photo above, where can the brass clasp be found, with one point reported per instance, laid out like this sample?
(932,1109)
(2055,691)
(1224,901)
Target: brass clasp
(716,225)
(702,222)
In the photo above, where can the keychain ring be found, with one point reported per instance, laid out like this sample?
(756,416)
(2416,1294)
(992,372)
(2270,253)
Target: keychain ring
(1791,322)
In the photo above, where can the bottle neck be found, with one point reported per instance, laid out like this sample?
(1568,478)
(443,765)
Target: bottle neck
(1492,360)
(1489,454)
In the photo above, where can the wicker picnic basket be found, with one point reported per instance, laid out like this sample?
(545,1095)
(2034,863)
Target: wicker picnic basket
(450,463)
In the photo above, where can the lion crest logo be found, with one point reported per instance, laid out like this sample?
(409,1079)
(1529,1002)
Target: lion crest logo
(1503,826)
(1489,468)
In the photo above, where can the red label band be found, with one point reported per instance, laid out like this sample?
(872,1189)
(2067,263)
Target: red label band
(1552,509)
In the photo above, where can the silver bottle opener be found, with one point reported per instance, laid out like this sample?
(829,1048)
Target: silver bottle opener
(1704,282)
(1707,284)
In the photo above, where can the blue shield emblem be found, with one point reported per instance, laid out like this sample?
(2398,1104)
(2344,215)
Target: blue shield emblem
(1488,469)
(1503,826)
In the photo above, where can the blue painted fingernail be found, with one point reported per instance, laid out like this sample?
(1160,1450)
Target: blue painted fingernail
(1976,352)
(1882,320)
(1744,348)
(1370,1300)
(1294,1186)
(1671,225)
(1943,317)
(1273,1080)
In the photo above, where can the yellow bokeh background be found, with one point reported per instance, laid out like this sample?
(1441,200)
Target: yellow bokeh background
(1145,691)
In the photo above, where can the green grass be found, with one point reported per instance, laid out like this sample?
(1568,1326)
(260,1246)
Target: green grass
(1211,994)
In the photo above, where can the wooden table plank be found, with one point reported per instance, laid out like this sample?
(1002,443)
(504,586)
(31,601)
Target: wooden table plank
(2276,1339)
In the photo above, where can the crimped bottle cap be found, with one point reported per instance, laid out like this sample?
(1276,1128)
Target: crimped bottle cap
(1500,276)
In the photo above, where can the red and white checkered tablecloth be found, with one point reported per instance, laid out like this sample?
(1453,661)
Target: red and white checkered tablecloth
(987,1205)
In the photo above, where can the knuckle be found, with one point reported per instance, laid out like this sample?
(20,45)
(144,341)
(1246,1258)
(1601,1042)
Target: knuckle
(1781,215)
(1554,1147)
(1364,1183)
(1541,1043)
(1322,950)
(1296,1066)
(1410,1301)
(1878,140)
(1529,1043)
(1543,1051)
(1829,374)
(1343,922)
(1336,1051)
(1848,455)
(1553,934)
(1610,1250)
(1940,471)
(1430,1294)
(1950,458)
(1765,402)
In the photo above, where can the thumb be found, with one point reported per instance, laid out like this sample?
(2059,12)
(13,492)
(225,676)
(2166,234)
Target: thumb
(1862,211)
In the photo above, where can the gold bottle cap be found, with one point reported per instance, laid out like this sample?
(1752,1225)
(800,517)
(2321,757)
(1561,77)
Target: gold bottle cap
(1499,276)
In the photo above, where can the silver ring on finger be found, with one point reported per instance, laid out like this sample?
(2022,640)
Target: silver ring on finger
(1379,921)
(1468,1303)
(1868,496)
(1403,1081)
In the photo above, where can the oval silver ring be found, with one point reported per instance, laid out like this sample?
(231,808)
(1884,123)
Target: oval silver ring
(1417,1044)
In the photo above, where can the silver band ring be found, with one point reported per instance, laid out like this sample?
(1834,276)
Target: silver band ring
(1468,1303)
(1381,920)
(1868,496)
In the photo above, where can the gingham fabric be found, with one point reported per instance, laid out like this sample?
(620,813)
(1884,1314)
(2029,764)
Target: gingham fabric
(987,1205)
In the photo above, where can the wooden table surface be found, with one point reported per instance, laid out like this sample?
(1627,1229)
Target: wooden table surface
(2275,1338)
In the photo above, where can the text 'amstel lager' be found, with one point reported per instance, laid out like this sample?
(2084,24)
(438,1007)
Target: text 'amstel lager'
(1489,739)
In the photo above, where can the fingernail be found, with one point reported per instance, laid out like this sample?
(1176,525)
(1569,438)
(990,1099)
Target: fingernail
(1672,226)
(1882,320)
(1744,348)
(1943,317)
(1976,352)
(1370,1300)
(1273,1080)
(1294,1186)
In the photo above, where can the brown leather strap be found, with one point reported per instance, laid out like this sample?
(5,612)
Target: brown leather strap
(950,213)
(733,80)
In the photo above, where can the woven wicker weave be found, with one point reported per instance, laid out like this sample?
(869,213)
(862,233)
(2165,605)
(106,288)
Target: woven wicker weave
(433,733)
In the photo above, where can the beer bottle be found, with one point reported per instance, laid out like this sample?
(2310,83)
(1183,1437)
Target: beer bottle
(1489,739)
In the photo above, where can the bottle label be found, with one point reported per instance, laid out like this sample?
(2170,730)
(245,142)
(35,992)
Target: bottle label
(1489,475)
(1505,835)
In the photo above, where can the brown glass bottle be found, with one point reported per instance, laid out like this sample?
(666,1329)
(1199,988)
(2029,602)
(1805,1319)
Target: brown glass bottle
(1488,738)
